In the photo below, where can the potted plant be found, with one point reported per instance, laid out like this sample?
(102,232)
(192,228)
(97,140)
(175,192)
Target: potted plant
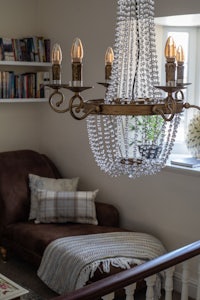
(149,129)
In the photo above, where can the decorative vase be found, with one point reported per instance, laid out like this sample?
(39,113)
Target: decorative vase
(149,151)
(193,136)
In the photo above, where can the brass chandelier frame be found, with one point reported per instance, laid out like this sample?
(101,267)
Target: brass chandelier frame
(80,109)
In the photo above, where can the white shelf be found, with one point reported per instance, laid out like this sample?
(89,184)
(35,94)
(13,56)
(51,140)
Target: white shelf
(25,63)
(24,100)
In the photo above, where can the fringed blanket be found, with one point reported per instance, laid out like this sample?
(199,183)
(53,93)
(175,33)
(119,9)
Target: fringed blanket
(68,263)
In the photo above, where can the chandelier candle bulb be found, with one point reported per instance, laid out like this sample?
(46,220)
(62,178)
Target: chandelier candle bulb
(170,66)
(109,57)
(180,64)
(56,64)
(77,56)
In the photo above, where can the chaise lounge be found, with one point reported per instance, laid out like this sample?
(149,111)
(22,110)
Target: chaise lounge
(29,236)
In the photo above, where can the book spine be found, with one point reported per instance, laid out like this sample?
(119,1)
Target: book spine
(42,55)
(46,80)
(1,49)
(1,86)
(8,49)
(47,45)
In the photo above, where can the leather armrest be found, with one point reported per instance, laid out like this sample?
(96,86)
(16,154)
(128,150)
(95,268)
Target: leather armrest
(107,214)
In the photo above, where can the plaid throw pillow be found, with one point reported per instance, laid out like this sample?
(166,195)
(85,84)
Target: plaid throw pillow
(37,182)
(61,207)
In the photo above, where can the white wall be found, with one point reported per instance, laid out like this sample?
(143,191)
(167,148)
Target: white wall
(178,7)
(19,124)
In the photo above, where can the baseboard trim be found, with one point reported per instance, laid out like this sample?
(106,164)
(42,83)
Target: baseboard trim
(192,285)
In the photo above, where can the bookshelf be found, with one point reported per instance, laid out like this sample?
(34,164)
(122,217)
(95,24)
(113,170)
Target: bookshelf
(24,100)
(25,64)
(24,67)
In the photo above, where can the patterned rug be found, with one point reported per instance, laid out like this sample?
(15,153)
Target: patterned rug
(31,296)
(26,276)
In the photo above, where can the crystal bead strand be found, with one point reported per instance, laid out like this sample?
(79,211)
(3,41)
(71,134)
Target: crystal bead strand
(128,51)
(94,138)
(131,53)
(95,126)
(101,157)
(142,78)
(112,90)
(173,127)
(154,76)
(111,142)
(125,57)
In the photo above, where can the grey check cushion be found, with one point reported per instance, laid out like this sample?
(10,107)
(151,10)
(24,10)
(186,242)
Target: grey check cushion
(61,207)
(37,182)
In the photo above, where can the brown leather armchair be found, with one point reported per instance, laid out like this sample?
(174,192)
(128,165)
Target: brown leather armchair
(24,237)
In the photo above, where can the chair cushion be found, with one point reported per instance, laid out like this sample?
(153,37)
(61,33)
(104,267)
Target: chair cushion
(37,182)
(31,240)
(62,207)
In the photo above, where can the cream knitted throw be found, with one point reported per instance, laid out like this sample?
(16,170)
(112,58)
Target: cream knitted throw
(69,262)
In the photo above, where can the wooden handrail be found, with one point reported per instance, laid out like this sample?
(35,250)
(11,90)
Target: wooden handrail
(124,278)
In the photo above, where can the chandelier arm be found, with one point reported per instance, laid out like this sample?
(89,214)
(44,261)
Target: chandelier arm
(181,93)
(77,108)
(159,111)
(188,105)
(58,103)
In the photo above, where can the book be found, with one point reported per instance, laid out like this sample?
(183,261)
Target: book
(189,162)
(9,289)
(47,45)
(46,81)
(1,49)
(17,49)
(30,49)
(8,49)
(40,84)
(36,48)
(41,47)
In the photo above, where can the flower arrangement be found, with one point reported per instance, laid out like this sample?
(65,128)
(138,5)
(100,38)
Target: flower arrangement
(193,136)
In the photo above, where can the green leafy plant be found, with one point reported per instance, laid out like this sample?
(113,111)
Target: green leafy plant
(149,128)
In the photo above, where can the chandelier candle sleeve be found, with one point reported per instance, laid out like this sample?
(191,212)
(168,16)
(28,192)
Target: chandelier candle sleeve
(180,64)
(77,56)
(56,64)
(109,57)
(170,66)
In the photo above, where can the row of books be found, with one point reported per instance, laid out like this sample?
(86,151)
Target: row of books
(26,85)
(25,49)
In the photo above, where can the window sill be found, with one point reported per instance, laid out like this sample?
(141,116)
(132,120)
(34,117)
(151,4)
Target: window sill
(192,171)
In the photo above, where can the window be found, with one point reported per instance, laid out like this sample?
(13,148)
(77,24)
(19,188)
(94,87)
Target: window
(188,38)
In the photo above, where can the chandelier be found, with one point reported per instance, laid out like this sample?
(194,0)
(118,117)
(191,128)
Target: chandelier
(132,130)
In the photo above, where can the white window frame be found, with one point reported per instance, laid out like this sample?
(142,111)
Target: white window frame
(193,91)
